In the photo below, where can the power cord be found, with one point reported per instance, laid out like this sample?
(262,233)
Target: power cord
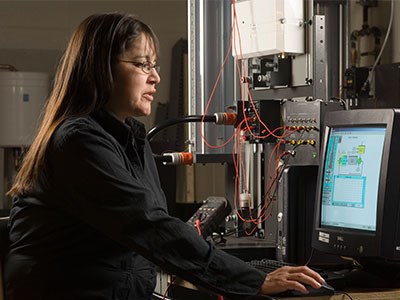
(344,293)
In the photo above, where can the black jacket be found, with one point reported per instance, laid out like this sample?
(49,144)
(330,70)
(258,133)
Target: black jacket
(97,218)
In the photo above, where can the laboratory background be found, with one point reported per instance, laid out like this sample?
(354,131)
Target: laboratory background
(249,114)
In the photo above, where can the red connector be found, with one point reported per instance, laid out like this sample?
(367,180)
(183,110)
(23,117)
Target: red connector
(179,158)
(225,118)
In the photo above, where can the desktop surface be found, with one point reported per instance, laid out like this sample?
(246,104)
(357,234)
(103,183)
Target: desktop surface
(183,290)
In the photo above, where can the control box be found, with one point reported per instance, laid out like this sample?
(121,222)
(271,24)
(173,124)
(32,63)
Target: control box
(210,215)
(258,114)
(269,27)
(303,123)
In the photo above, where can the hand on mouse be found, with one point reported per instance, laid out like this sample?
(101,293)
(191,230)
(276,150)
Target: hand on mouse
(290,278)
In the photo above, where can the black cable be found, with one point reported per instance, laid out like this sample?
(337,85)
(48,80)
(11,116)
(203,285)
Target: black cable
(185,119)
(163,158)
(344,293)
(288,154)
(310,257)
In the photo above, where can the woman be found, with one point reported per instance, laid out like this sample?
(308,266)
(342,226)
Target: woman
(89,218)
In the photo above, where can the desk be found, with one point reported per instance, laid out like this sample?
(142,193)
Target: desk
(356,294)
(373,294)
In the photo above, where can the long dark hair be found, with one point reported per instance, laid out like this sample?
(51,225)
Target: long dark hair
(83,81)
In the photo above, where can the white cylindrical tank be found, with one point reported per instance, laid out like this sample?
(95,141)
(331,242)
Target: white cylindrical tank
(22,97)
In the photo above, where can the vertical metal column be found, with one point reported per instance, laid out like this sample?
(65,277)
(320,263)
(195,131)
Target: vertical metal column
(320,59)
(195,89)
(209,37)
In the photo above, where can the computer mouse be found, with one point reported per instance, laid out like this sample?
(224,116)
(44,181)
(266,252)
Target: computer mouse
(324,290)
(327,286)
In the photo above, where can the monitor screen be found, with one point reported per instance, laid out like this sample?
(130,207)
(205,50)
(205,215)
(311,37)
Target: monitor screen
(357,207)
(351,177)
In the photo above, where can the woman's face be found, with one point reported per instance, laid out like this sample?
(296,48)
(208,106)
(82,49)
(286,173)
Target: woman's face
(133,90)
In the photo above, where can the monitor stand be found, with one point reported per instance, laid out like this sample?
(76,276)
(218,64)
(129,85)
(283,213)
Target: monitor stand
(374,274)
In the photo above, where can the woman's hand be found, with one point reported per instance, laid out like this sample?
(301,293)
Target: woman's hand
(290,278)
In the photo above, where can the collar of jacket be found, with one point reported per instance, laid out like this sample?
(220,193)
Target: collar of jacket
(124,133)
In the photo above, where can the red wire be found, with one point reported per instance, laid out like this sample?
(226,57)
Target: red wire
(166,290)
(240,181)
(198,226)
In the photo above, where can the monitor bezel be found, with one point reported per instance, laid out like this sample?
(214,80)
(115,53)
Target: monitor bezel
(346,241)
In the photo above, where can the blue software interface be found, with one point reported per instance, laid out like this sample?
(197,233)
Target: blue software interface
(351,177)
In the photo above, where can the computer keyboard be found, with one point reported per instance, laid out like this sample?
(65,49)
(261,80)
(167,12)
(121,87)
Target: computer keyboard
(336,278)
(268,265)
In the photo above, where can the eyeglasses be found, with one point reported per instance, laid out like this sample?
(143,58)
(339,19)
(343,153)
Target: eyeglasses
(146,67)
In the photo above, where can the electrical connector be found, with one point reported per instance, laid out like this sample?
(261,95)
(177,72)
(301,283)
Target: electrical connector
(225,118)
(179,158)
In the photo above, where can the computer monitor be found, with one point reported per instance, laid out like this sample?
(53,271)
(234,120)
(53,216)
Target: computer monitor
(357,212)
